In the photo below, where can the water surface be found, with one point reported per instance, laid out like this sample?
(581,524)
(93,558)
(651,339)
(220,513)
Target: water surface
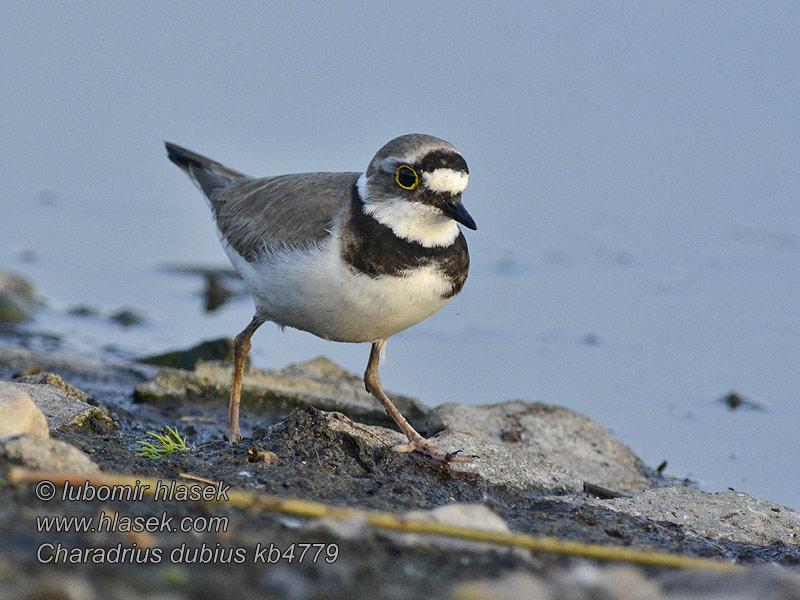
(634,176)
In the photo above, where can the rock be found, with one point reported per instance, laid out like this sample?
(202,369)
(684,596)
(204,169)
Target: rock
(735,401)
(66,587)
(476,516)
(40,453)
(350,528)
(17,300)
(221,349)
(259,455)
(18,413)
(616,582)
(274,394)
(496,463)
(503,465)
(760,581)
(510,587)
(730,516)
(83,310)
(621,582)
(323,370)
(38,376)
(560,436)
(582,581)
(63,405)
(126,317)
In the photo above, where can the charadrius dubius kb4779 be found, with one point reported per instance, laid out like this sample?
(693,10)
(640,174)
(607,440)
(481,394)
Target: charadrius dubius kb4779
(349,257)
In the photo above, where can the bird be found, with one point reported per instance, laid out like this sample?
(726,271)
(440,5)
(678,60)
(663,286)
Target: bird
(347,256)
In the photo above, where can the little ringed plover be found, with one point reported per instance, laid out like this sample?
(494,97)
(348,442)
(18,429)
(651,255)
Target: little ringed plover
(349,257)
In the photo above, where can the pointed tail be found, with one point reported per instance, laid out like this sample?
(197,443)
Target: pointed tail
(209,175)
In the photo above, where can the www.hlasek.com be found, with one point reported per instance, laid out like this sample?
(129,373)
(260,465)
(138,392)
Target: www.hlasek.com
(113,521)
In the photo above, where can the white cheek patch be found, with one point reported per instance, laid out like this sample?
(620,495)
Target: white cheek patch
(445,181)
(414,222)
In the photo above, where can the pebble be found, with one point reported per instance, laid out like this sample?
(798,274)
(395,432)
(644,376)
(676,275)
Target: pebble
(475,516)
(43,453)
(64,406)
(624,582)
(19,415)
(17,300)
(37,376)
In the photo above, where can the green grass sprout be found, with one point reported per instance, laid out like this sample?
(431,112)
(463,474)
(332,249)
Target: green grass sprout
(167,444)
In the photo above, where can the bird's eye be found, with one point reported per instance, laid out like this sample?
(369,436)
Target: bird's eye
(406,177)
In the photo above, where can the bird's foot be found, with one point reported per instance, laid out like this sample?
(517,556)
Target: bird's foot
(433,451)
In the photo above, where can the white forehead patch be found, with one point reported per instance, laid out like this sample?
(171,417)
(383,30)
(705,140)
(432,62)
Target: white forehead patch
(445,181)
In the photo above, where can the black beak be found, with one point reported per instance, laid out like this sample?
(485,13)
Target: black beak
(457,212)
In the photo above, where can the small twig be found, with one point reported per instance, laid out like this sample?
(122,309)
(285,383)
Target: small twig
(383,520)
(197,419)
(196,478)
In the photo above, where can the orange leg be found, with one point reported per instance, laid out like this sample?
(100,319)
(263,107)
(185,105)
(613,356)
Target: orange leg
(416,442)
(241,347)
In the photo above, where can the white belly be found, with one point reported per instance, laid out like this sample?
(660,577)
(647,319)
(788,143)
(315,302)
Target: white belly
(315,291)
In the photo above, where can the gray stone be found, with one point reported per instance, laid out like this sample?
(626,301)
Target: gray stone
(63,410)
(274,394)
(40,453)
(18,413)
(731,516)
(504,465)
(560,436)
(612,582)
(351,528)
(623,582)
(762,582)
(17,300)
(496,463)
(475,516)
(509,587)
(44,378)
(66,587)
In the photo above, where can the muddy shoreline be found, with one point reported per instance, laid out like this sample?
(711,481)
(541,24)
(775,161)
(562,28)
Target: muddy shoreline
(314,435)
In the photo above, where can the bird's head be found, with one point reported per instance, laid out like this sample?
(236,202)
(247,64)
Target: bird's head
(413,185)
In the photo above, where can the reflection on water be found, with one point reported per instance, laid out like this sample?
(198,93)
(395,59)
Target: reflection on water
(215,293)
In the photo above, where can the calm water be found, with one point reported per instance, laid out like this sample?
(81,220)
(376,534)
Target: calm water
(635,181)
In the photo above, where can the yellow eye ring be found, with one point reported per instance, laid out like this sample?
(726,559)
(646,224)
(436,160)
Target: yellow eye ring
(406,177)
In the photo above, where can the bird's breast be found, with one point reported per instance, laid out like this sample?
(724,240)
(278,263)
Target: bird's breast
(314,290)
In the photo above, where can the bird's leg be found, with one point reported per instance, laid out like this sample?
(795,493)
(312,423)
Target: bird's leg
(415,441)
(241,347)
